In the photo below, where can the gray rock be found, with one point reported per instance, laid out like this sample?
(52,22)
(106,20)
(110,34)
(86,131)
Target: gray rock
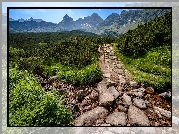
(121,108)
(119,65)
(117,119)
(149,90)
(126,99)
(122,80)
(119,88)
(133,84)
(138,94)
(106,61)
(108,51)
(138,90)
(140,103)
(107,75)
(106,98)
(119,71)
(87,108)
(165,95)
(94,95)
(90,117)
(137,117)
(113,90)
(110,83)
(163,112)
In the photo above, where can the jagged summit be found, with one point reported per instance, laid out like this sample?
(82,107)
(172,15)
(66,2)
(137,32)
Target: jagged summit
(66,16)
(114,24)
(95,15)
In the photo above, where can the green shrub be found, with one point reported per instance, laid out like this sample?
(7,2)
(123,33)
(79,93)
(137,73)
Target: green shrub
(32,64)
(15,54)
(30,105)
(150,69)
(84,76)
(154,33)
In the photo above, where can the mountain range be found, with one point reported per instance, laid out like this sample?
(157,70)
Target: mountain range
(114,24)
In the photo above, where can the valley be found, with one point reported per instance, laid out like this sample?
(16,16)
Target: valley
(114,73)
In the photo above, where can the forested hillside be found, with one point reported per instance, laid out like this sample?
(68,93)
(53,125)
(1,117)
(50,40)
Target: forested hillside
(146,51)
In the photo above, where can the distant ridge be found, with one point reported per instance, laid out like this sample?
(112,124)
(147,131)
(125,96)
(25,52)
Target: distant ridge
(114,24)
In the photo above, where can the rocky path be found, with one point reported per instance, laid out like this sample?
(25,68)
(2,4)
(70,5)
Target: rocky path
(121,101)
(115,101)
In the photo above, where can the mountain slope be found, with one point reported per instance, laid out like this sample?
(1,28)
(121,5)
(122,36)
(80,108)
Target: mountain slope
(114,24)
(128,20)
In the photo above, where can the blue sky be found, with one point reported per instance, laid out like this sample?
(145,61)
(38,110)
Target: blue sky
(55,15)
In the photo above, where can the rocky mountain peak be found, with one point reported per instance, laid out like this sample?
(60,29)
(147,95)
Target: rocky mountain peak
(96,17)
(67,19)
(66,16)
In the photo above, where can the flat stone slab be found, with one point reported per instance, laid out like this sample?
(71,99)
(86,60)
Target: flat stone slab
(137,117)
(117,119)
(106,98)
(90,117)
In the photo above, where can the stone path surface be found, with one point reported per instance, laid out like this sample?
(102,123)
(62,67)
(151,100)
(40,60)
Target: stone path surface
(122,97)
(115,101)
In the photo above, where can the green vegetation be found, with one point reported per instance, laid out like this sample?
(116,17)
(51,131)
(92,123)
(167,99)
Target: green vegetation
(154,33)
(79,54)
(29,105)
(148,56)
(83,76)
(30,40)
(73,60)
